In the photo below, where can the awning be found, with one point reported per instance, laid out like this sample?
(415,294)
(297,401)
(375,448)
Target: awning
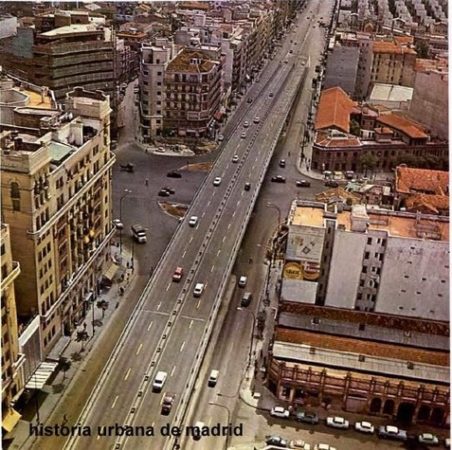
(111,271)
(41,375)
(10,420)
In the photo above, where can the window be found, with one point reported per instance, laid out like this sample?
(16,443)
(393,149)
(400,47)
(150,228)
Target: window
(2,249)
(15,196)
(366,255)
(369,241)
(159,73)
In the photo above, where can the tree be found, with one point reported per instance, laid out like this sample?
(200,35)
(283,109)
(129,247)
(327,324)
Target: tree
(368,161)
(422,49)
(355,128)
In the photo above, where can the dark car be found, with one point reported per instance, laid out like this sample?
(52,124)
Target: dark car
(129,167)
(331,183)
(303,183)
(174,174)
(169,190)
(163,193)
(278,179)
(276,441)
(307,417)
(247,186)
(282,163)
(271,94)
(167,403)
(249,100)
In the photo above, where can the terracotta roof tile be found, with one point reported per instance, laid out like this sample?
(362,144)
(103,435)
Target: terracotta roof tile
(181,63)
(334,110)
(429,203)
(410,180)
(391,47)
(402,124)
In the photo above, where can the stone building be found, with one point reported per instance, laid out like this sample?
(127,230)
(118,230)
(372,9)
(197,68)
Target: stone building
(56,191)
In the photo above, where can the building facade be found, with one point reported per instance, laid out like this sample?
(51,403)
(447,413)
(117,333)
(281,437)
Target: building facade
(56,191)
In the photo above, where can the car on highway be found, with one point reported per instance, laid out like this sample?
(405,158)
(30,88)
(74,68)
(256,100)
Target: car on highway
(178,274)
(256,119)
(300,444)
(364,427)
(291,51)
(280,411)
(198,290)
(249,100)
(174,174)
(118,224)
(247,186)
(331,183)
(270,95)
(428,439)
(324,447)
(246,299)
(217,181)
(392,432)
(276,441)
(220,137)
(243,135)
(242,281)
(193,221)
(246,124)
(213,378)
(278,179)
(282,163)
(235,159)
(167,403)
(337,422)
(307,417)
(159,381)
(303,183)
(164,193)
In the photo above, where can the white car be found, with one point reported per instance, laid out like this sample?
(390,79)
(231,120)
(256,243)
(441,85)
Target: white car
(428,439)
(220,137)
(242,281)
(279,411)
(235,159)
(324,447)
(217,181)
(193,221)
(118,224)
(299,443)
(243,135)
(365,427)
(199,289)
(337,422)
(246,124)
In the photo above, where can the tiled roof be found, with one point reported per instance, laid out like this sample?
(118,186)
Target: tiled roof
(334,110)
(432,204)
(328,141)
(402,124)
(182,62)
(391,47)
(426,65)
(410,180)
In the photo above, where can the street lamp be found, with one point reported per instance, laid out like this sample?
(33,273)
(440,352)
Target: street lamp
(229,420)
(252,333)
(126,193)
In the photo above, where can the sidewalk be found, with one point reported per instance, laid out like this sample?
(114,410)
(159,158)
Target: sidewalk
(74,349)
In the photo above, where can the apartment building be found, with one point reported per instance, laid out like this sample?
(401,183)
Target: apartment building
(12,360)
(151,97)
(193,89)
(56,191)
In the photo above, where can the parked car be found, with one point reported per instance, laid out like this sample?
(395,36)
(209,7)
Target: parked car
(174,174)
(428,439)
(278,179)
(235,159)
(282,163)
(392,432)
(167,403)
(242,281)
(163,193)
(349,174)
(243,135)
(299,443)
(447,442)
(220,137)
(247,186)
(324,447)
(169,190)
(250,100)
(307,417)
(256,119)
(364,427)
(303,183)
(178,274)
(118,224)
(246,124)
(279,411)
(337,422)
(129,167)
(331,183)
(217,181)
(276,441)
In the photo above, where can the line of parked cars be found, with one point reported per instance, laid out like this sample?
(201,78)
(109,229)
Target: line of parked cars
(338,422)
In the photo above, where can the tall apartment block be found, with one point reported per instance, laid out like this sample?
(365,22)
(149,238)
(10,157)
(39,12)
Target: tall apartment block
(56,191)
(12,359)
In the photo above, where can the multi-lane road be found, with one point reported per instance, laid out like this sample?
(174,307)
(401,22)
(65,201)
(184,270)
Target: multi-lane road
(170,328)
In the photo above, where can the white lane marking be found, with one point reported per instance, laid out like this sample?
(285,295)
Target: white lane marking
(229,226)
(172,371)
(127,374)
(238,203)
(182,346)
(191,238)
(159,305)
(224,238)
(213,267)
(114,402)
(252,168)
(167,287)
(150,325)
(139,349)
(203,214)
(183,254)
(256,159)
(191,323)
(218,252)
(233,215)
(198,305)
(208,203)
(242,193)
